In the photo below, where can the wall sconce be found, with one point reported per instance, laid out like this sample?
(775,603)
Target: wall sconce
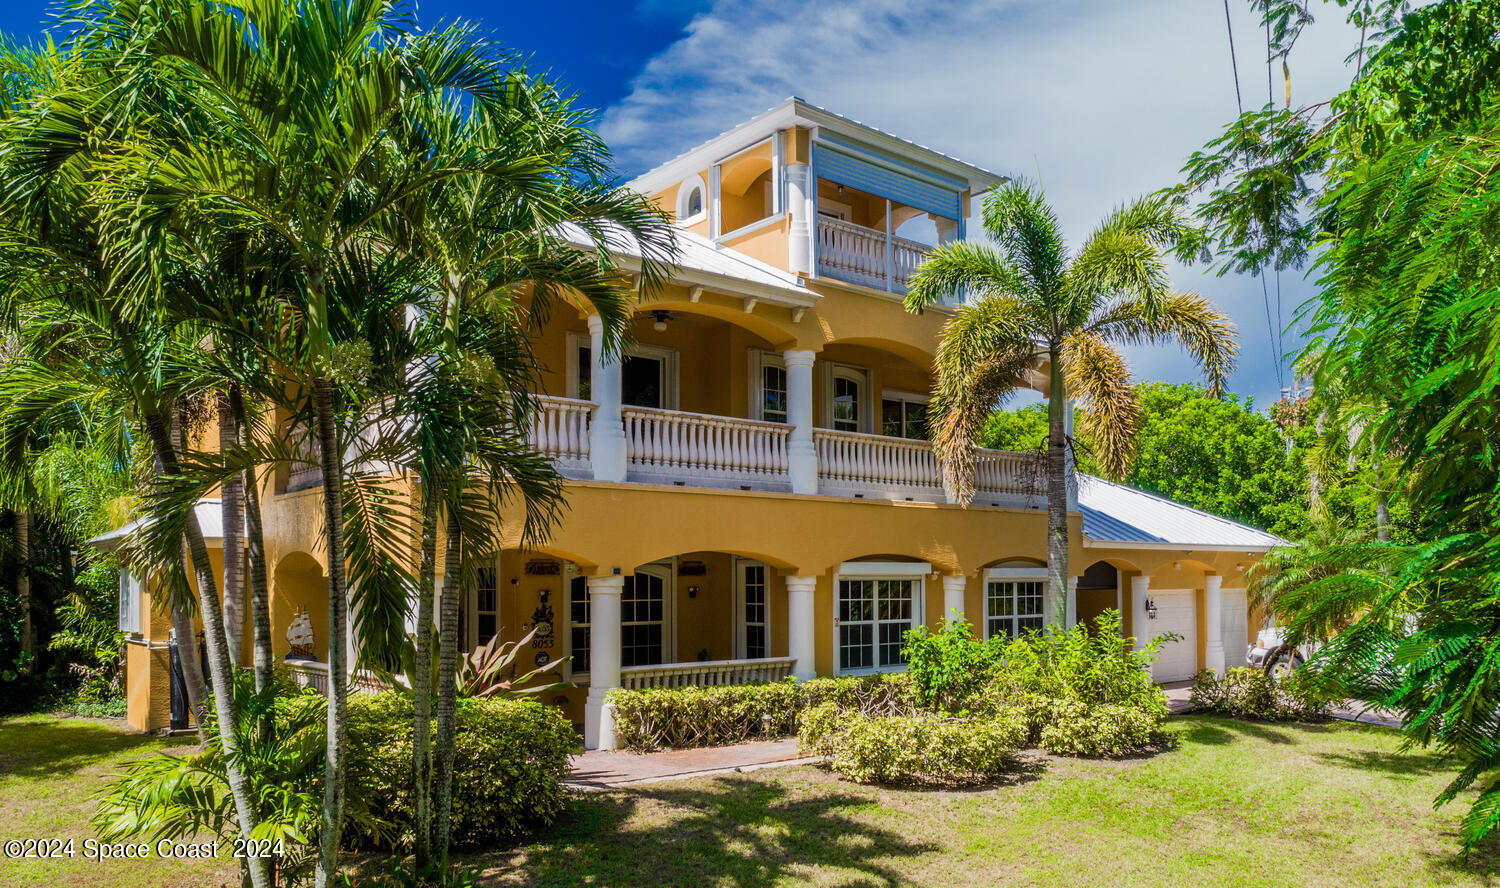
(1177,565)
(692,591)
(660,324)
(1150,609)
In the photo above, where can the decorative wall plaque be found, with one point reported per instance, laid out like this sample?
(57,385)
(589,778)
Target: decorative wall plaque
(543,567)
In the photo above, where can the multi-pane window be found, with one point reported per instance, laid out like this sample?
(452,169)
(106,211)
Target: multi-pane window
(754,603)
(773,392)
(578,623)
(485,606)
(642,606)
(130,603)
(903,417)
(846,398)
(1012,607)
(874,616)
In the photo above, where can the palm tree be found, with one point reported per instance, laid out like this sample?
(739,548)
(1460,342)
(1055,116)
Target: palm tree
(1030,299)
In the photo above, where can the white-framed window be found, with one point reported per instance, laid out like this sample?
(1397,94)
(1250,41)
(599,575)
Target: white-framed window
(833,209)
(1014,601)
(486,605)
(692,200)
(648,376)
(768,392)
(877,604)
(848,398)
(579,621)
(753,606)
(903,415)
(643,617)
(130,604)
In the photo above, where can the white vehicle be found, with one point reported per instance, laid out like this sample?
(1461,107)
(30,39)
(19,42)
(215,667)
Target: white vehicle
(1271,653)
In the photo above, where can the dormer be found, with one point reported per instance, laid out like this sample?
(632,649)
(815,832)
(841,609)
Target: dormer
(820,195)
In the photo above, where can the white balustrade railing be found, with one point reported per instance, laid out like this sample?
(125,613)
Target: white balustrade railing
(875,460)
(1002,471)
(670,441)
(858,255)
(706,673)
(561,430)
(304,475)
(309,674)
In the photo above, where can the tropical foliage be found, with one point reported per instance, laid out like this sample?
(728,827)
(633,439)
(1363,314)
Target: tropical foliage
(1030,302)
(1391,183)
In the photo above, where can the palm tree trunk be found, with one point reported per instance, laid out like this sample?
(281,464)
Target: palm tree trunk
(421,685)
(221,674)
(255,551)
(232,510)
(1382,504)
(23,590)
(447,702)
(1057,495)
(338,633)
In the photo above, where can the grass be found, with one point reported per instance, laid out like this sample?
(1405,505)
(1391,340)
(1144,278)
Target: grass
(1301,806)
(1238,804)
(50,768)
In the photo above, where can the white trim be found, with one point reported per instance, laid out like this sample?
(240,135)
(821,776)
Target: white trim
(683,190)
(913,572)
(836,209)
(763,222)
(884,569)
(128,607)
(760,359)
(666,571)
(1014,573)
(853,372)
(570,574)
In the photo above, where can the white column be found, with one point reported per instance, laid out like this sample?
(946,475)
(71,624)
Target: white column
(1140,587)
(800,625)
(953,597)
(947,229)
(607,431)
(604,660)
(801,191)
(1213,639)
(802,458)
(1072,612)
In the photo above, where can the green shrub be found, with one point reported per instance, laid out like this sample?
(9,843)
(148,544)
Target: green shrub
(1074,728)
(509,762)
(688,717)
(950,668)
(1251,693)
(900,749)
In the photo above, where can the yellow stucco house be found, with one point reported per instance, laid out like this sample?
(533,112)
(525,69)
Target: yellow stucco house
(750,495)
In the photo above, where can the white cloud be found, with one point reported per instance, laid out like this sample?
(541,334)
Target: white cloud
(1103,99)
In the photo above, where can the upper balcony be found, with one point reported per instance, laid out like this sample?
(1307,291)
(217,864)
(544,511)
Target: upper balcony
(821,196)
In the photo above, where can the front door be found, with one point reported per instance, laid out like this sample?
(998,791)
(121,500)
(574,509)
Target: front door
(752,640)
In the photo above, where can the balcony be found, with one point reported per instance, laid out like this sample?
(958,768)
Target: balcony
(858,255)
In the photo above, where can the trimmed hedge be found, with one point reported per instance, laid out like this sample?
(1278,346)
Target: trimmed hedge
(509,762)
(897,749)
(1251,693)
(688,717)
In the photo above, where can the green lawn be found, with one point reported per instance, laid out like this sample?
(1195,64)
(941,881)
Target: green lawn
(1239,804)
(49,769)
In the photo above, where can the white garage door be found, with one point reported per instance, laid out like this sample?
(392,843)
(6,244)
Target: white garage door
(1175,612)
(1234,620)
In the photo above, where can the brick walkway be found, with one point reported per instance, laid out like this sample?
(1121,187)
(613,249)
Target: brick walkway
(595,770)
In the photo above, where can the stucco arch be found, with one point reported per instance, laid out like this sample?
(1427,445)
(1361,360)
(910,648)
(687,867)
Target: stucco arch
(738,174)
(299,583)
(780,564)
(910,352)
(777,335)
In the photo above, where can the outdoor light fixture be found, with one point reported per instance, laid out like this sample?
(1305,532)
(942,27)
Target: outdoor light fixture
(661,320)
(1150,609)
(1177,565)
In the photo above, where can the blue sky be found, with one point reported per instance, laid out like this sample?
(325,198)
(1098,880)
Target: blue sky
(1100,99)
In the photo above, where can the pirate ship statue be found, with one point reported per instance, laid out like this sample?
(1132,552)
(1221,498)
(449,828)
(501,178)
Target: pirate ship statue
(299,637)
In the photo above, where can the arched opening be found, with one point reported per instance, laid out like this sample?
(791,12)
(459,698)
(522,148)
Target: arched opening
(746,188)
(299,609)
(1099,590)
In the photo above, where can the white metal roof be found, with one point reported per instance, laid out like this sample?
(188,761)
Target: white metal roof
(700,262)
(209,519)
(1114,514)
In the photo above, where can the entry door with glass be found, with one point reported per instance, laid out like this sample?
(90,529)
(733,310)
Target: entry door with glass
(752,601)
(648,376)
(643,617)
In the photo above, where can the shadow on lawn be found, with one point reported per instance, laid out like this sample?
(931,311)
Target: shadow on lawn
(735,831)
(43,747)
(1395,764)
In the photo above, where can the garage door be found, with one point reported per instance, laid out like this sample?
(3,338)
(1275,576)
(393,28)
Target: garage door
(1234,620)
(1175,612)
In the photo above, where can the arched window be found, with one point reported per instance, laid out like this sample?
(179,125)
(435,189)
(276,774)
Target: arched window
(691,199)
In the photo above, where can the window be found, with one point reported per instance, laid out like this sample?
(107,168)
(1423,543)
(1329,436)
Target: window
(874,615)
(847,399)
(768,386)
(753,639)
(130,603)
(486,607)
(642,607)
(691,201)
(648,377)
(1012,606)
(578,624)
(903,415)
